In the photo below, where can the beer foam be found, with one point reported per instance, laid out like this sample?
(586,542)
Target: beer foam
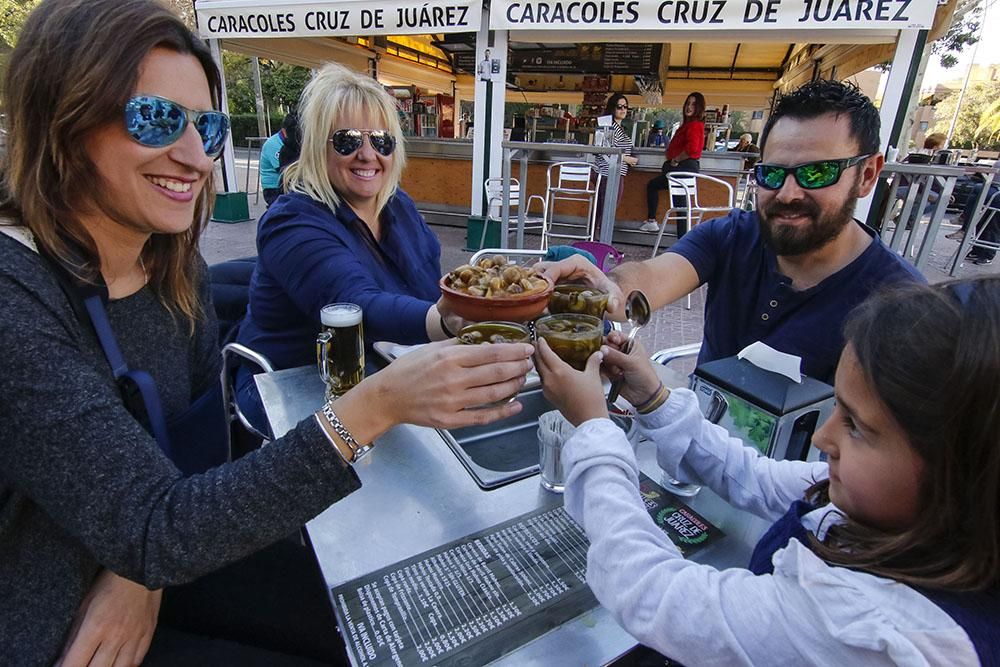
(340,315)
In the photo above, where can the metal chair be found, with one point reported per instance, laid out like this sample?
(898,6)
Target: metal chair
(494,206)
(988,216)
(233,355)
(686,184)
(571,182)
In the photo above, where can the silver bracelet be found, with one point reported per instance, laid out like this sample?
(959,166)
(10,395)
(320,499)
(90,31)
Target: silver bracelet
(357,450)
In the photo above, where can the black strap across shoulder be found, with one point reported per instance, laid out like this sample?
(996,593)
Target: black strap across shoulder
(137,388)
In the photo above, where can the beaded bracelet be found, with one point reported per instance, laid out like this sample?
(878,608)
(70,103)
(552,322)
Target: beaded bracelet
(357,450)
(658,398)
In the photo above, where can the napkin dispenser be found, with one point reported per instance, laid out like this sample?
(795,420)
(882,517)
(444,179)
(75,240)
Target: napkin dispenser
(768,411)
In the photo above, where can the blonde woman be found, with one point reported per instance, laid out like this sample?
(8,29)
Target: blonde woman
(344,232)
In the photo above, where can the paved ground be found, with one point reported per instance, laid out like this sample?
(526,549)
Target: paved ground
(671,326)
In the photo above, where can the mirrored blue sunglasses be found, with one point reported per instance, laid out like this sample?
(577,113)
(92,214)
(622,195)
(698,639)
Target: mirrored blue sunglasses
(157,122)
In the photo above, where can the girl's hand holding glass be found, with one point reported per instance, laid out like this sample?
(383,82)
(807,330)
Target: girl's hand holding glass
(640,379)
(579,395)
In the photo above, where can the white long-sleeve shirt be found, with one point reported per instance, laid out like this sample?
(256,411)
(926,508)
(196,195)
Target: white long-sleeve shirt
(806,613)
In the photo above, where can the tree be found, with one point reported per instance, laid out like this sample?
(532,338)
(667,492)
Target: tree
(962,33)
(989,123)
(978,107)
(13,13)
(281,83)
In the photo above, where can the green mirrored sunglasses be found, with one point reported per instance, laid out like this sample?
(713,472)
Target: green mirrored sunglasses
(809,175)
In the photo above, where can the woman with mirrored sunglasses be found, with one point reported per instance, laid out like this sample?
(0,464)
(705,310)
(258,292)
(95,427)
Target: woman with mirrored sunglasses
(343,232)
(113,475)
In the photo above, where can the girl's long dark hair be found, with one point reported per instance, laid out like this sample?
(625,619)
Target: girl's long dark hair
(932,354)
(699,107)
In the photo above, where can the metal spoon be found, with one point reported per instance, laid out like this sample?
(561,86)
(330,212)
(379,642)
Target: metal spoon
(638,312)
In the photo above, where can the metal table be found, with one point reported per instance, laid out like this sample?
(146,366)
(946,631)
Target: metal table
(416,496)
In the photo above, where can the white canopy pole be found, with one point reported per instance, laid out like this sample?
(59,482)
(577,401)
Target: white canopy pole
(228,162)
(490,94)
(896,100)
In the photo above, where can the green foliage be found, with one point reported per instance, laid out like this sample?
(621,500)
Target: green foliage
(245,125)
(962,33)
(13,14)
(979,113)
(281,84)
(737,123)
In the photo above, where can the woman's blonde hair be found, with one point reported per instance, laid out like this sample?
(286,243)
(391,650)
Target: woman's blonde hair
(75,65)
(932,355)
(332,94)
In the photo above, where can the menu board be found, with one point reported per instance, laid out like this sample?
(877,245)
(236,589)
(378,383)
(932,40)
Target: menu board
(624,58)
(480,597)
(470,601)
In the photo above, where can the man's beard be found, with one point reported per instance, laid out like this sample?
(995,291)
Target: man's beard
(786,240)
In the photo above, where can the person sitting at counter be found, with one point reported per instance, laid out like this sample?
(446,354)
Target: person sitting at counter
(789,273)
(617,108)
(746,145)
(656,135)
(344,232)
(107,549)
(683,153)
(886,553)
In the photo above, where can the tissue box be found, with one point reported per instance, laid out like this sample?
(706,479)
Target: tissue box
(766,410)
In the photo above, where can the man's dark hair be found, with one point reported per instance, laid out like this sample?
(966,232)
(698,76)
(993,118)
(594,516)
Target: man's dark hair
(817,98)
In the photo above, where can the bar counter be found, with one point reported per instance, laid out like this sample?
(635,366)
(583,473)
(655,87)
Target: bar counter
(416,496)
(438,176)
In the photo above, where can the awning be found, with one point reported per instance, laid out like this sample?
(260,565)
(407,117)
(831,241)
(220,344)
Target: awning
(711,15)
(346,18)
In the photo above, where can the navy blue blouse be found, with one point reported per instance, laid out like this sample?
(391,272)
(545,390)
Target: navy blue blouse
(310,256)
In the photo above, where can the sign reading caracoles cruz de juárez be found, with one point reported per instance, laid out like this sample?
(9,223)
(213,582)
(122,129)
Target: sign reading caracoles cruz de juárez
(226,18)
(711,14)
(256,18)
(250,18)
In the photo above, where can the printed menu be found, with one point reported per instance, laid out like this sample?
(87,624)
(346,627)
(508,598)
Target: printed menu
(480,597)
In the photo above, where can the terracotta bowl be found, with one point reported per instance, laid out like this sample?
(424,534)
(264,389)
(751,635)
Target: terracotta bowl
(509,309)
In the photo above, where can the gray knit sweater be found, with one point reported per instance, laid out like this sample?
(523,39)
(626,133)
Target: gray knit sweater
(83,486)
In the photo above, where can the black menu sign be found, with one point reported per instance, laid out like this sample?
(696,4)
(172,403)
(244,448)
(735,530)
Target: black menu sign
(480,597)
(470,601)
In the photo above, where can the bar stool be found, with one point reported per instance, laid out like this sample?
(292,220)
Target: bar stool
(572,182)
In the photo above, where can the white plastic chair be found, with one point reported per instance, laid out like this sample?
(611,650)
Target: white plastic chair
(494,207)
(687,184)
(571,181)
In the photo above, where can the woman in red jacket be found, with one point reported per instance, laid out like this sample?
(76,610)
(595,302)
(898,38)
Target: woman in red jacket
(683,153)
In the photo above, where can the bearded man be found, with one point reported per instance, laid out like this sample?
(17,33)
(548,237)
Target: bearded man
(789,273)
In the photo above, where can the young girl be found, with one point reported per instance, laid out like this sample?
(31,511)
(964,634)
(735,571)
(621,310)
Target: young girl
(887,553)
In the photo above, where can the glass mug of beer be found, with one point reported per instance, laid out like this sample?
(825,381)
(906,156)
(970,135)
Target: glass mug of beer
(340,348)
